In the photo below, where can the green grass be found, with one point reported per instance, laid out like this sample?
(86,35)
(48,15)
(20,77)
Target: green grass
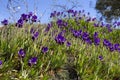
(80,56)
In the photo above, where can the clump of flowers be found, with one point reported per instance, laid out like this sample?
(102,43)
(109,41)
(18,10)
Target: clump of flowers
(34,18)
(19,23)
(56,14)
(108,44)
(77,33)
(70,24)
(60,39)
(25,18)
(4,22)
(61,23)
(85,36)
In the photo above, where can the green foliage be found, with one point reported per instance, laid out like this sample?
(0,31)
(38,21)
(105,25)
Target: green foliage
(109,9)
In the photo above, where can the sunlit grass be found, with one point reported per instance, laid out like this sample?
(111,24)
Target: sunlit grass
(79,60)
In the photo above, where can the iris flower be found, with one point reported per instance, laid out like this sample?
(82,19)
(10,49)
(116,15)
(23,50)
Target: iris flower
(32,61)
(21,53)
(4,22)
(44,49)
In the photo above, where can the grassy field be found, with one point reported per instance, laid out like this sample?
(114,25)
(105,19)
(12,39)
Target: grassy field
(73,46)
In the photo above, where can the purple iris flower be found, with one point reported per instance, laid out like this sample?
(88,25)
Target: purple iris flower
(24,17)
(60,39)
(85,35)
(35,35)
(32,61)
(93,19)
(68,44)
(19,23)
(30,14)
(96,25)
(44,49)
(64,15)
(102,24)
(21,53)
(116,46)
(111,47)
(88,20)
(48,27)
(76,33)
(118,24)
(0,62)
(74,13)
(100,57)
(58,13)
(59,22)
(70,11)
(96,41)
(79,11)
(86,38)
(34,18)
(95,34)
(88,41)
(52,15)
(4,22)
(106,42)
(108,25)
(32,30)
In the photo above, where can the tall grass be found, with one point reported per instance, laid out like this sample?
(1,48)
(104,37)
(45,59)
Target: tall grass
(79,60)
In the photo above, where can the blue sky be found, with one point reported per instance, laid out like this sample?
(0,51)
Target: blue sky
(44,8)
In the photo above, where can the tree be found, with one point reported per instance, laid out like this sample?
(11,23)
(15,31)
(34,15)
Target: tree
(110,9)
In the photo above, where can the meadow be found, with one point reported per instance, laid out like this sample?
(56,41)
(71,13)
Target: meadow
(72,46)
